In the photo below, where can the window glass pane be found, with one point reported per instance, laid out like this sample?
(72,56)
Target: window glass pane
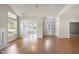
(11,15)
(12,26)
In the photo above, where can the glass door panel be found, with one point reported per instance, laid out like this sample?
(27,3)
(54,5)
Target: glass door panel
(30,30)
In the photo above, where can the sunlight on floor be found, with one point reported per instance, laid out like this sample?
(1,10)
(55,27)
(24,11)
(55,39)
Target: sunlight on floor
(33,48)
(30,41)
(47,44)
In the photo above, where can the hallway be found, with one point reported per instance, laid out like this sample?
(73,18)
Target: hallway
(47,45)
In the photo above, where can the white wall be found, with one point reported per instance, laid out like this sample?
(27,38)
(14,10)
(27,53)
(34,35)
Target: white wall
(4,20)
(64,31)
(39,21)
(63,28)
(57,27)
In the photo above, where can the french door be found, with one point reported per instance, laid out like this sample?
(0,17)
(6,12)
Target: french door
(29,30)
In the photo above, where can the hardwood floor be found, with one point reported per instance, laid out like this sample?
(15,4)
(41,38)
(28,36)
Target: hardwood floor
(47,45)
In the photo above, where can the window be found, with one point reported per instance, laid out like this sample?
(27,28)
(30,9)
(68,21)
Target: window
(12,24)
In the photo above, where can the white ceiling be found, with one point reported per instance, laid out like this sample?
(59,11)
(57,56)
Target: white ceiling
(43,10)
(72,12)
(46,10)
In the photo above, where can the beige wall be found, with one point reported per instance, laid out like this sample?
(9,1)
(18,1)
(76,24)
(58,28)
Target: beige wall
(4,20)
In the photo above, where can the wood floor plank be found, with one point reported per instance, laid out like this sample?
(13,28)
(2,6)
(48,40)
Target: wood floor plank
(46,45)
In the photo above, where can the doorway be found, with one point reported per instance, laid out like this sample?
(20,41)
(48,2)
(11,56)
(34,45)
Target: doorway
(49,27)
(74,29)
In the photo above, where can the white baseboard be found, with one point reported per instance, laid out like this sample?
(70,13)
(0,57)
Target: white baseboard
(63,36)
